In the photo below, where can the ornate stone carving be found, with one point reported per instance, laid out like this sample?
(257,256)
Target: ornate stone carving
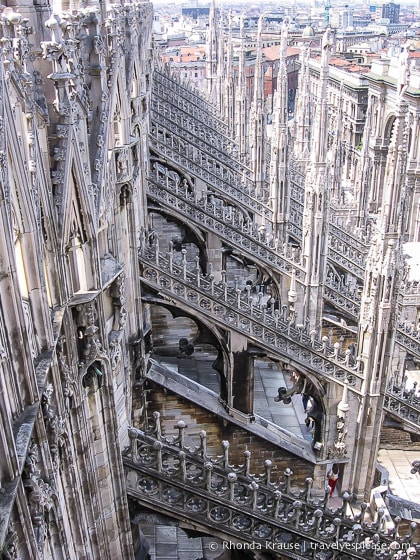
(66,371)
(62,131)
(31,460)
(91,347)
(9,548)
(114,348)
(252,507)
(54,426)
(117,292)
(40,503)
(340,445)
(123,161)
(273,331)
(39,494)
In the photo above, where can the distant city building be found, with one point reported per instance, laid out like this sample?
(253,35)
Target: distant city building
(343,18)
(195,12)
(391,11)
(190,63)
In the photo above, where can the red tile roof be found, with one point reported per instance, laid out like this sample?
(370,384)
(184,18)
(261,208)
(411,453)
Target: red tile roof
(273,52)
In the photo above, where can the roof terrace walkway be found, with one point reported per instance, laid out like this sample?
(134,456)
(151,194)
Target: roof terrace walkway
(272,332)
(210,494)
(174,106)
(169,475)
(203,151)
(166,188)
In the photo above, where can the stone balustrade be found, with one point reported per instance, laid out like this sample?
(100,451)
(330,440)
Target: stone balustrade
(410,288)
(407,395)
(404,408)
(195,141)
(180,104)
(343,299)
(356,243)
(166,187)
(356,240)
(199,135)
(408,336)
(225,221)
(348,301)
(341,255)
(274,330)
(170,146)
(169,85)
(403,401)
(207,152)
(345,250)
(294,230)
(264,509)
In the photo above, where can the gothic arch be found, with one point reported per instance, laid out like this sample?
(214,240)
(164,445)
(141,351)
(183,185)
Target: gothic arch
(125,194)
(193,233)
(173,166)
(389,125)
(207,333)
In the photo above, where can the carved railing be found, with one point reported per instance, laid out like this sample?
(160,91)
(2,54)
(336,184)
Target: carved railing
(408,337)
(296,211)
(405,407)
(344,259)
(195,142)
(355,243)
(349,255)
(172,135)
(346,249)
(348,301)
(295,230)
(227,222)
(170,94)
(166,188)
(403,401)
(200,135)
(342,298)
(271,329)
(171,147)
(180,96)
(185,481)
(410,288)
(341,259)
(346,255)
(339,237)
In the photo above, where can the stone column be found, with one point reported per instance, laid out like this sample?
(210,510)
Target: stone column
(214,254)
(241,382)
(378,312)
